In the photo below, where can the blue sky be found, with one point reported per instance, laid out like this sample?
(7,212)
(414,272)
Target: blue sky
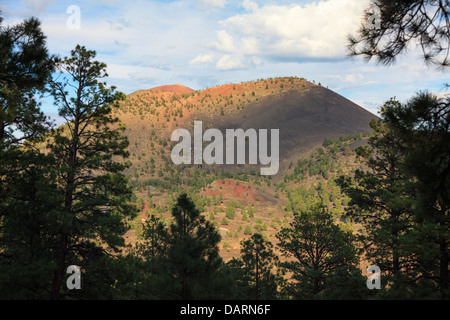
(203,43)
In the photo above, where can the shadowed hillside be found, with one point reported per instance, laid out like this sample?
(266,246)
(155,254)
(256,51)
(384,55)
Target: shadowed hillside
(304,113)
(304,118)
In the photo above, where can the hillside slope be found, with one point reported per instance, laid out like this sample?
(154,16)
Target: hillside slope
(304,119)
(304,113)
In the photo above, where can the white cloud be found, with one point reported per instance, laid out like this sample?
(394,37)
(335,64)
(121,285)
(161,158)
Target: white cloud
(119,24)
(37,6)
(249,5)
(354,78)
(250,46)
(142,76)
(316,30)
(228,62)
(225,43)
(256,61)
(212,3)
(92,34)
(442,94)
(372,106)
(202,59)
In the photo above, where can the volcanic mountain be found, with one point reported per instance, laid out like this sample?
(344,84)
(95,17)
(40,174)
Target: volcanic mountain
(304,113)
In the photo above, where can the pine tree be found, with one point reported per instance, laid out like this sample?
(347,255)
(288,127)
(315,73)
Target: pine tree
(381,198)
(25,69)
(229,212)
(28,207)
(258,262)
(149,257)
(390,27)
(30,210)
(318,248)
(422,126)
(192,261)
(155,238)
(89,177)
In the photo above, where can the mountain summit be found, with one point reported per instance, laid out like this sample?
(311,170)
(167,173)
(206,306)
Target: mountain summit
(175,88)
(171,88)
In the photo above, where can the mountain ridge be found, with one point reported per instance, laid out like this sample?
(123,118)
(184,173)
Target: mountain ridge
(305,114)
(173,88)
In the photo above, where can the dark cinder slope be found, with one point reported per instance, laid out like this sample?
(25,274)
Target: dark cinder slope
(304,118)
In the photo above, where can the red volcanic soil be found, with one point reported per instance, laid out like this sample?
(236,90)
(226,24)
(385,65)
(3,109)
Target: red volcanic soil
(172,88)
(232,189)
(224,89)
(175,88)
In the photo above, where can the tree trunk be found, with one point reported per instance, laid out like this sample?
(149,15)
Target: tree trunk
(68,203)
(184,289)
(257,275)
(58,277)
(2,131)
(62,253)
(395,257)
(443,248)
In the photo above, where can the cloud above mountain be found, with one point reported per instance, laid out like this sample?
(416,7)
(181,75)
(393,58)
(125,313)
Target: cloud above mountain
(295,32)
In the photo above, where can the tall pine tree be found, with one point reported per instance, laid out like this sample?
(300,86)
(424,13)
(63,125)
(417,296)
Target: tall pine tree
(258,264)
(382,201)
(192,261)
(422,124)
(87,150)
(317,248)
(25,69)
(28,205)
